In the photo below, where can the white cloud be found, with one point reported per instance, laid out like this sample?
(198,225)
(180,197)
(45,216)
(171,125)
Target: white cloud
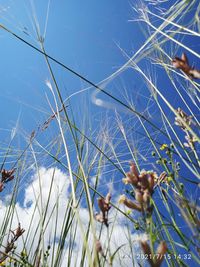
(41,184)
(29,214)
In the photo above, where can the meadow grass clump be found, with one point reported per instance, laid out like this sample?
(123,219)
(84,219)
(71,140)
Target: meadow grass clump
(65,206)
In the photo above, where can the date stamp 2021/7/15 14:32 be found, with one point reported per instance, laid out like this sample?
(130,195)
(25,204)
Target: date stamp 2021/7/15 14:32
(185,256)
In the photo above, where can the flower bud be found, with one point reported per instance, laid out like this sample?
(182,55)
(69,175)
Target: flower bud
(1,186)
(99,248)
(133,169)
(144,179)
(139,196)
(128,203)
(161,250)
(151,179)
(108,198)
(145,247)
(130,179)
(146,196)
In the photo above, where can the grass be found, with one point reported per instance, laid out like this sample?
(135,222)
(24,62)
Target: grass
(126,194)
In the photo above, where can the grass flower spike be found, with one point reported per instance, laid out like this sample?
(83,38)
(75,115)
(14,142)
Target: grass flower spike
(104,206)
(183,64)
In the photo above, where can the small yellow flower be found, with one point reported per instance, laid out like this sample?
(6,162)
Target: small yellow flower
(163,147)
(128,212)
(23,253)
(125,181)
(3,263)
(169,179)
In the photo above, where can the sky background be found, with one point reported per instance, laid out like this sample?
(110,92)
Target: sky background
(94,38)
(84,36)
(89,37)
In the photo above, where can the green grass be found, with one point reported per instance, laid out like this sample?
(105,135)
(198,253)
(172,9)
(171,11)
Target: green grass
(66,217)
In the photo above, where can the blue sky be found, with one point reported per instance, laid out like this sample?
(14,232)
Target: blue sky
(91,37)
(84,40)
(86,36)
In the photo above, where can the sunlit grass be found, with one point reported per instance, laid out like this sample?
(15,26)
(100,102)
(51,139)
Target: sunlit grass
(91,210)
